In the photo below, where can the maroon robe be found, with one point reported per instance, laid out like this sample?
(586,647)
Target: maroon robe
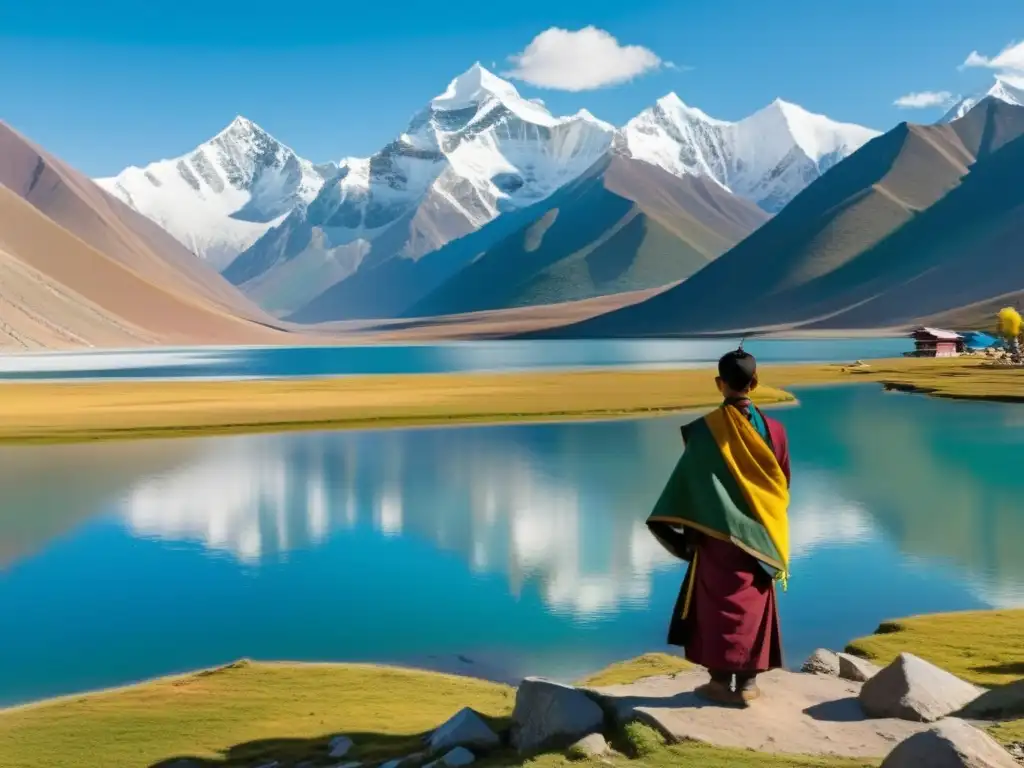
(732,623)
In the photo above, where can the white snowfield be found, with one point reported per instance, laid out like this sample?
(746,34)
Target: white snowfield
(224,195)
(768,157)
(476,149)
(473,152)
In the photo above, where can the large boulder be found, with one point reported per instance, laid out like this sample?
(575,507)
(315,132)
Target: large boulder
(856,669)
(912,689)
(1000,703)
(552,715)
(822,662)
(594,745)
(464,729)
(950,744)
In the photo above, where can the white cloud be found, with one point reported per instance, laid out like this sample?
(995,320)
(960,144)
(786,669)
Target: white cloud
(924,100)
(581,60)
(1010,59)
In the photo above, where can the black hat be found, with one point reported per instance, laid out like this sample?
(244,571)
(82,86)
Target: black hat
(737,369)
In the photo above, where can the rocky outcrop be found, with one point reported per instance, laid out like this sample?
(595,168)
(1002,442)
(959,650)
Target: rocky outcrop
(552,715)
(464,729)
(822,662)
(455,758)
(856,669)
(999,703)
(594,745)
(912,689)
(950,744)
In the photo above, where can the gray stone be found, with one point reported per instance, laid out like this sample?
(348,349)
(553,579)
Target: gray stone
(339,746)
(549,714)
(594,745)
(856,669)
(349,765)
(822,662)
(912,689)
(458,757)
(464,729)
(1016,750)
(949,744)
(1000,703)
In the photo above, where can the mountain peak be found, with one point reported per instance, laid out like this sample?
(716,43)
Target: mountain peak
(671,104)
(474,86)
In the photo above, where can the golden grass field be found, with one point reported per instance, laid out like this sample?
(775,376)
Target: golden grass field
(247,712)
(47,412)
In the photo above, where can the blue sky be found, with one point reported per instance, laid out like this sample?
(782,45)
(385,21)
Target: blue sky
(117,82)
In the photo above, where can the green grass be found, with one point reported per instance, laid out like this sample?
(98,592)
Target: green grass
(238,714)
(982,647)
(648,665)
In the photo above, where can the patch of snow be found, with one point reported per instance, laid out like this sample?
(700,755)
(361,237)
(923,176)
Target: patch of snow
(1005,89)
(768,157)
(220,198)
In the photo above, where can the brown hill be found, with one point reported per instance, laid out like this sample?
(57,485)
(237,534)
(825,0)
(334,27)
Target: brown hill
(623,226)
(911,226)
(79,268)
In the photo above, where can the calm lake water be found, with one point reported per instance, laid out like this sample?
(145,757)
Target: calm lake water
(494,551)
(237,362)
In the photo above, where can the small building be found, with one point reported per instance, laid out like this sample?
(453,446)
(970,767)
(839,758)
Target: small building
(935,342)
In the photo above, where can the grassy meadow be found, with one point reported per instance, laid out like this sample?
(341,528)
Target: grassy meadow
(64,411)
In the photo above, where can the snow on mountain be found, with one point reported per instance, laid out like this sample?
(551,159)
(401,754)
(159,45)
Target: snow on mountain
(768,157)
(1010,91)
(479,147)
(224,195)
(474,151)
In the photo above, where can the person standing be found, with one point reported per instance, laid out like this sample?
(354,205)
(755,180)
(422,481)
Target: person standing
(725,511)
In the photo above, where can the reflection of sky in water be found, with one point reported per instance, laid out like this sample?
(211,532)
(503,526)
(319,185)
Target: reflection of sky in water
(250,362)
(520,547)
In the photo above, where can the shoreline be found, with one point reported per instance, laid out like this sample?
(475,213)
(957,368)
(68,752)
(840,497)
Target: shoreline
(71,412)
(249,713)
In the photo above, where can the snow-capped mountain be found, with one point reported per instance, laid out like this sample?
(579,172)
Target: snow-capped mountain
(1012,92)
(768,157)
(474,151)
(224,195)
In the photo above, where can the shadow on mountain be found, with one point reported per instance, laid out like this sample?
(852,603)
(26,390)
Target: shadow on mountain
(916,224)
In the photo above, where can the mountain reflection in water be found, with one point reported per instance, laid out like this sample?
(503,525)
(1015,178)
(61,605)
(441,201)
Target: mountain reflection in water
(520,547)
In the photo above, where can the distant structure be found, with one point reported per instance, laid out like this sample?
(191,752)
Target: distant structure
(935,342)
(976,341)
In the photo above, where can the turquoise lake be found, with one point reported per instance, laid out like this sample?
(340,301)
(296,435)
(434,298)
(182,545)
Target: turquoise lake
(496,551)
(453,357)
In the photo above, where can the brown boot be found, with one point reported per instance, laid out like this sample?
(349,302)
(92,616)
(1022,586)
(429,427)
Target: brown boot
(746,688)
(718,691)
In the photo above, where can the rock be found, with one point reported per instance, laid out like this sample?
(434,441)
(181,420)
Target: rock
(593,745)
(349,765)
(856,669)
(949,744)
(822,662)
(407,760)
(912,689)
(339,746)
(464,729)
(1016,750)
(455,758)
(549,714)
(1000,703)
